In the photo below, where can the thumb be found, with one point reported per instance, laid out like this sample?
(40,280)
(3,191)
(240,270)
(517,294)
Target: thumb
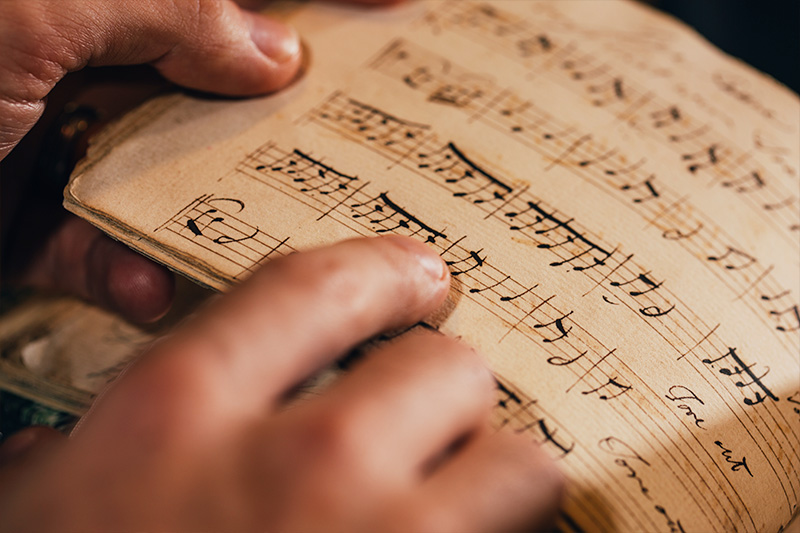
(210,45)
(232,51)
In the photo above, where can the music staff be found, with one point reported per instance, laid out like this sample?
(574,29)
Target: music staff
(448,166)
(590,160)
(215,224)
(525,311)
(705,149)
(439,163)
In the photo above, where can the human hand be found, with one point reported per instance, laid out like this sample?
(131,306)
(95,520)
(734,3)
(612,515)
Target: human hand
(209,45)
(198,435)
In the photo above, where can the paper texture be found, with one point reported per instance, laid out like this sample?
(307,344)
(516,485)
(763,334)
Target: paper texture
(617,201)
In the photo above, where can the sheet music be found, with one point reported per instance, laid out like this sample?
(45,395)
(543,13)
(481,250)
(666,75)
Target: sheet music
(623,229)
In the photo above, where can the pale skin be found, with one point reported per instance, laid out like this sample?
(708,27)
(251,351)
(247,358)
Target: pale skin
(201,433)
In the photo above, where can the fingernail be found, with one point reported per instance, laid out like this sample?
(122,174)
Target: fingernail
(431,263)
(276,40)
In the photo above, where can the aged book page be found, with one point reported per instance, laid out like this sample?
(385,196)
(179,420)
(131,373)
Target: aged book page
(617,201)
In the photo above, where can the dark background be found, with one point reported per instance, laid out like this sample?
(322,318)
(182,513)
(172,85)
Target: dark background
(763,33)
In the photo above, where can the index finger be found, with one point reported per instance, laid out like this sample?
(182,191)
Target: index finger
(292,317)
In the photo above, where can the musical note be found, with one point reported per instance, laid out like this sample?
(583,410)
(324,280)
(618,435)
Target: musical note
(535,45)
(665,117)
(574,146)
(794,318)
(646,281)
(647,185)
(490,287)
(557,360)
(708,157)
(733,259)
(330,179)
(787,202)
(559,324)
(465,264)
(519,413)
(583,68)
(779,154)
(795,399)
(460,168)
(523,293)
(740,367)
(616,389)
(747,183)
(455,95)
(689,135)
(674,234)
(625,170)
(362,122)
(221,238)
(611,90)
(774,297)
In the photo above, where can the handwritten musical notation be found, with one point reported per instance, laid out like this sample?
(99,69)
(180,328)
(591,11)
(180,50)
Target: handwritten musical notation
(598,372)
(619,215)
(333,113)
(445,165)
(527,311)
(608,168)
(522,414)
(704,150)
(418,150)
(216,224)
(517,412)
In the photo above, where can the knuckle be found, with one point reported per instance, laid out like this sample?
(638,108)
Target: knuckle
(166,396)
(532,464)
(462,360)
(330,436)
(208,11)
(428,518)
(31,45)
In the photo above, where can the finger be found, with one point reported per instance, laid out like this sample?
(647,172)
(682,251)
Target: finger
(254,4)
(210,45)
(21,445)
(78,258)
(404,406)
(497,482)
(368,2)
(289,319)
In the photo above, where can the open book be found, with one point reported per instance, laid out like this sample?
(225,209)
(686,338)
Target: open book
(617,201)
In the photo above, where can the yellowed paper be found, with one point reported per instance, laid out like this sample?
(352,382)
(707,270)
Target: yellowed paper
(617,201)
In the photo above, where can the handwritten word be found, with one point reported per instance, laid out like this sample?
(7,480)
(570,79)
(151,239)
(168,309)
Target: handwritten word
(737,465)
